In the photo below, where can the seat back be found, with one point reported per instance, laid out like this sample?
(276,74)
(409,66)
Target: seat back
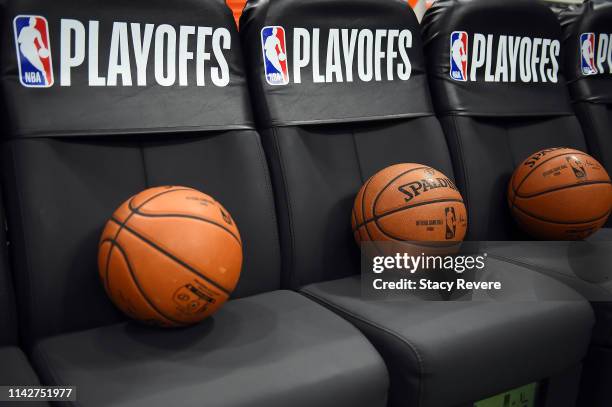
(135,95)
(349,98)
(587,42)
(8,315)
(499,90)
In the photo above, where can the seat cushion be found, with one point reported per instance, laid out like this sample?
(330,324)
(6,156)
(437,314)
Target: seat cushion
(470,349)
(16,370)
(584,266)
(273,349)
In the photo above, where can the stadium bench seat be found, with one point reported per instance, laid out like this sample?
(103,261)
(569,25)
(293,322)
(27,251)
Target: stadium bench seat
(86,144)
(589,80)
(324,135)
(493,123)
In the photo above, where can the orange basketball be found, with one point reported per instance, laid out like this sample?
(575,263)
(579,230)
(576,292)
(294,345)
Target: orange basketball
(560,194)
(409,202)
(170,256)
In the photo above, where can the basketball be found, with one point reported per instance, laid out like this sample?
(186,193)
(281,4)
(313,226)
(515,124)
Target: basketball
(170,256)
(560,194)
(409,202)
(43,53)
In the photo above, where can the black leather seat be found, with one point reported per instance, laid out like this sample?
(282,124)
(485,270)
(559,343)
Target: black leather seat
(494,122)
(15,369)
(590,81)
(324,135)
(78,151)
(502,113)
(590,85)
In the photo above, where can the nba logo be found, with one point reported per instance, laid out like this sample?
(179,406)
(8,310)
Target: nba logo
(587,52)
(451,222)
(274,50)
(458,55)
(33,51)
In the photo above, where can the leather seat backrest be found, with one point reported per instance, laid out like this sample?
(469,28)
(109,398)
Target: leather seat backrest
(347,97)
(587,42)
(8,314)
(134,95)
(498,87)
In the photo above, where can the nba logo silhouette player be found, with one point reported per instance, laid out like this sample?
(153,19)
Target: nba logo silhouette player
(458,55)
(587,51)
(275,55)
(33,51)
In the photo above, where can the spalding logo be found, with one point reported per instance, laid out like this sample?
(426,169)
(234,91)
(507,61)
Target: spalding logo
(130,50)
(416,188)
(503,58)
(595,54)
(349,55)
(533,160)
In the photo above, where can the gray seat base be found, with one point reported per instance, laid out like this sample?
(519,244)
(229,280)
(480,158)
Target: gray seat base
(274,349)
(584,266)
(15,370)
(442,354)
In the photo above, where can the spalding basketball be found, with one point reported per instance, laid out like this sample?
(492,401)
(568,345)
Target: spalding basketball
(560,194)
(170,256)
(409,202)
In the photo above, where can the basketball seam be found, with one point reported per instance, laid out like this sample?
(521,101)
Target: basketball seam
(363,211)
(561,189)
(122,224)
(540,164)
(139,287)
(180,215)
(175,258)
(106,272)
(403,208)
(562,223)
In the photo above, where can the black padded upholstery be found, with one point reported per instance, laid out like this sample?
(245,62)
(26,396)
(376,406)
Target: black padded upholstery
(317,242)
(434,351)
(487,148)
(591,91)
(257,351)
(65,176)
(490,136)
(8,313)
(15,369)
(459,346)
(83,181)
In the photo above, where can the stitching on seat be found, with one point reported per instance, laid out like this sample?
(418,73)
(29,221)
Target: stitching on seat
(388,331)
(26,263)
(359,168)
(270,194)
(591,126)
(461,166)
(291,258)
